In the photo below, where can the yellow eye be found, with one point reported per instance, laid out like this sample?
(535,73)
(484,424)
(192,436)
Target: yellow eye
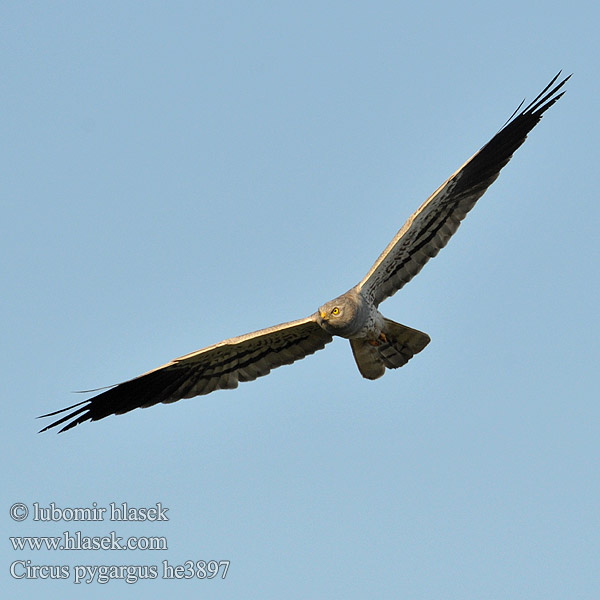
(335,311)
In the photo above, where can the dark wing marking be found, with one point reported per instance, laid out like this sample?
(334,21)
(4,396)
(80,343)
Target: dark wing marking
(428,230)
(220,366)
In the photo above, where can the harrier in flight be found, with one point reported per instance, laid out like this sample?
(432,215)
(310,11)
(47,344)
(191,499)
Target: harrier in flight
(377,342)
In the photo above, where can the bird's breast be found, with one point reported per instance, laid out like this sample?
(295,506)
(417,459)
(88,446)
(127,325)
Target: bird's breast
(371,327)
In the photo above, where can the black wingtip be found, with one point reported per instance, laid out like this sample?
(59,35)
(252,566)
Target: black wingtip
(83,417)
(542,102)
(547,97)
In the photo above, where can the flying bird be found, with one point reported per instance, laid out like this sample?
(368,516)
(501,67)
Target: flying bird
(377,343)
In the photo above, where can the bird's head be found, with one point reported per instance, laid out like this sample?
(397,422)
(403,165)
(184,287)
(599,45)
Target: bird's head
(340,315)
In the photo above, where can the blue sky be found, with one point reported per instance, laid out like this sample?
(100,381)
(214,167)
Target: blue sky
(179,173)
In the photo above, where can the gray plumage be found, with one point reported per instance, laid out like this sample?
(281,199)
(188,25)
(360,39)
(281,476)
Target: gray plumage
(377,343)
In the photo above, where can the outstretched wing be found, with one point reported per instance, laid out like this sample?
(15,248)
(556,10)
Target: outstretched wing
(429,229)
(221,366)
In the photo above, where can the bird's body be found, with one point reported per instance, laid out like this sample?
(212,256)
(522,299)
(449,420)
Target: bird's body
(377,342)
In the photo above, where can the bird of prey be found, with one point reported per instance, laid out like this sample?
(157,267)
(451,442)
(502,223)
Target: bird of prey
(377,343)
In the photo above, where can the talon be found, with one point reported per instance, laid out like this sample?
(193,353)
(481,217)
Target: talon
(374,342)
(383,337)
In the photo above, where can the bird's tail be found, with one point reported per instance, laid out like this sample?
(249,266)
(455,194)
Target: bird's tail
(400,345)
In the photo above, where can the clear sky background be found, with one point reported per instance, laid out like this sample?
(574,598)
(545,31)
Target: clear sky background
(177,173)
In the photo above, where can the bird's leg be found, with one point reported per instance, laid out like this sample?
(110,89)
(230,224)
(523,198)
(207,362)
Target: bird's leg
(377,342)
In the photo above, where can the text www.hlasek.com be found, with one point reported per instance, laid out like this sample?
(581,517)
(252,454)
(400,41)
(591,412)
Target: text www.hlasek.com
(78,541)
